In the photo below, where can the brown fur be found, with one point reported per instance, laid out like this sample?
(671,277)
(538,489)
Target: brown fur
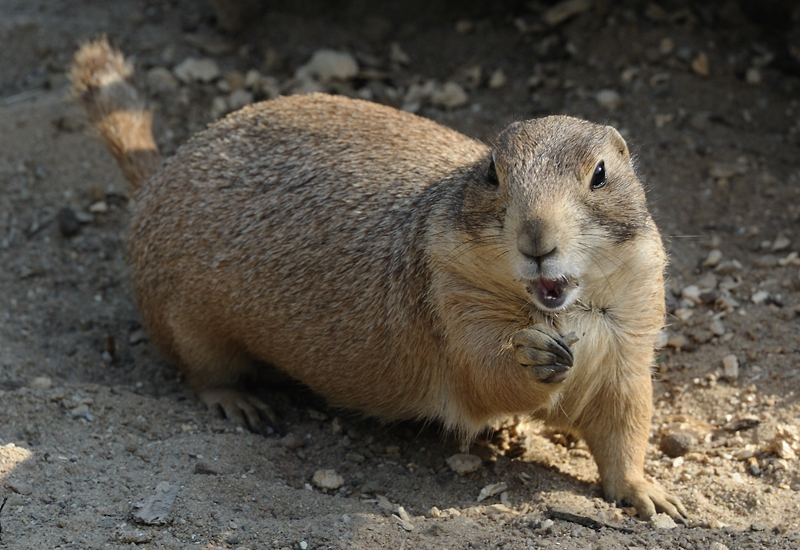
(369,254)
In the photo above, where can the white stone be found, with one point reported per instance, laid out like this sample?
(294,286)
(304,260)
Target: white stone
(498,79)
(450,96)
(491,490)
(663,521)
(730,367)
(608,99)
(327,479)
(782,242)
(464,463)
(327,65)
(197,70)
(759,297)
(713,258)
(41,383)
(691,293)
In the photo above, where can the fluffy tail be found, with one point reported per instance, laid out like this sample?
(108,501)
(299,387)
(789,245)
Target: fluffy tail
(102,82)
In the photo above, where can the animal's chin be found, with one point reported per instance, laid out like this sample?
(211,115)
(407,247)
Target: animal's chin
(550,294)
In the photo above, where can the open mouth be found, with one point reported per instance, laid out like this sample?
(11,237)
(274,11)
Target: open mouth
(549,293)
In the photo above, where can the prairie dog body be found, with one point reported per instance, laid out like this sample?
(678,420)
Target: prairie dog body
(398,267)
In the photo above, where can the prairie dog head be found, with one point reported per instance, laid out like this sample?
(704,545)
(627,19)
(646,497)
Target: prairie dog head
(560,198)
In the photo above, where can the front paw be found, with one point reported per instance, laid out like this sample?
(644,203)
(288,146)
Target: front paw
(648,498)
(544,351)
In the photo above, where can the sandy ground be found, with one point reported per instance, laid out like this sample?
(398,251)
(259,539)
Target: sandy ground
(93,423)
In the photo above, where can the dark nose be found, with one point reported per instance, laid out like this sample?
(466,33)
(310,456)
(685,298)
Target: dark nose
(535,241)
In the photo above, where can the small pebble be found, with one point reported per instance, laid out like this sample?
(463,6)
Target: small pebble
(291,441)
(160,79)
(782,242)
(662,521)
(137,337)
(608,99)
(397,55)
(239,99)
(327,65)
(713,258)
(753,76)
(498,79)
(491,490)
(80,411)
(566,10)
(666,46)
(205,468)
(717,327)
(759,297)
(450,95)
(730,367)
(197,70)
(676,444)
(41,383)
(20,487)
(700,65)
(717,546)
(464,463)
(100,207)
(68,223)
(327,479)
(692,294)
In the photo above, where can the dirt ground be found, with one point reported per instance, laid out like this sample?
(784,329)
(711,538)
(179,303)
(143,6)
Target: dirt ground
(92,421)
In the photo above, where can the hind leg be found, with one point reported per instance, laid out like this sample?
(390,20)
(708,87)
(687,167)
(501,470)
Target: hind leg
(215,368)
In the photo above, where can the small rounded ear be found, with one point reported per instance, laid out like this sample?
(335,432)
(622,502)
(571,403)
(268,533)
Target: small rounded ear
(619,142)
(491,172)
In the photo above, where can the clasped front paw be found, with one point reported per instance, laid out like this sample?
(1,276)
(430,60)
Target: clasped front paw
(545,352)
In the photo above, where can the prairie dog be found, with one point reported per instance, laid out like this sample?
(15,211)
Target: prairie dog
(398,267)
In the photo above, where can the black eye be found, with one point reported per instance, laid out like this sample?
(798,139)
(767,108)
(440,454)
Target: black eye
(599,176)
(491,175)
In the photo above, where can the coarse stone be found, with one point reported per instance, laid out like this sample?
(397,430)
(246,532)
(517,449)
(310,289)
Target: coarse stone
(676,444)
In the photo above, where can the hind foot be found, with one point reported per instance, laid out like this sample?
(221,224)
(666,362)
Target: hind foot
(242,408)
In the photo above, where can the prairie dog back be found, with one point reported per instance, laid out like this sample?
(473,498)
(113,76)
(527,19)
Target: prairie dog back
(400,268)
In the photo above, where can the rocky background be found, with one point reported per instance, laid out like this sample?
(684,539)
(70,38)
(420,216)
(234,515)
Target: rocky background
(103,446)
